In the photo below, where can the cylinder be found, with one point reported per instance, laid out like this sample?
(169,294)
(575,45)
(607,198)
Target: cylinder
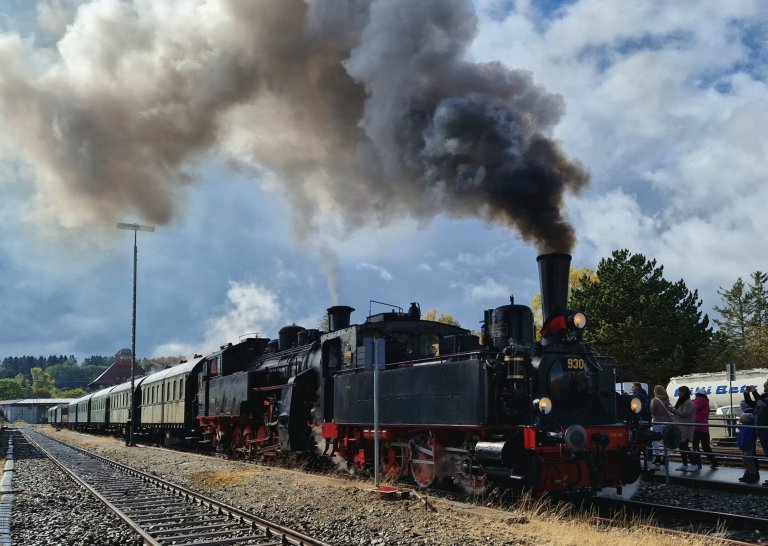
(338,317)
(554,270)
(500,452)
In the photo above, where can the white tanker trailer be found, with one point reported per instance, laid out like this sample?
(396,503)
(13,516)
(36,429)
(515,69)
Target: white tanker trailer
(719,389)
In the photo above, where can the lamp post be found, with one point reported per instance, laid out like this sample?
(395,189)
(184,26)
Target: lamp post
(131,413)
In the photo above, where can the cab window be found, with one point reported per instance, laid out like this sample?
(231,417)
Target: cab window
(406,340)
(429,345)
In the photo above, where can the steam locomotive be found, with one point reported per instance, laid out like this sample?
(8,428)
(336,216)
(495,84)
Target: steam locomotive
(439,405)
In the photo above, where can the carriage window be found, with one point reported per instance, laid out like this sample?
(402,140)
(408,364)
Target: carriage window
(181,388)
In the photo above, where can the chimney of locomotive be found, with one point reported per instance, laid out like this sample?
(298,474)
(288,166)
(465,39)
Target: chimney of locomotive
(554,270)
(338,317)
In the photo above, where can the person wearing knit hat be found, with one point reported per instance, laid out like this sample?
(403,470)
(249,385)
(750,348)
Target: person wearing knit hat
(683,411)
(701,431)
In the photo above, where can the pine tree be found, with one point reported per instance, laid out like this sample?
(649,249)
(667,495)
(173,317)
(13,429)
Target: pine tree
(758,320)
(744,322)
(735,321)
(653,328)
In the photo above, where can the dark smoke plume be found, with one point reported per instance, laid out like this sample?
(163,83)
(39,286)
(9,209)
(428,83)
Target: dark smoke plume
(361,111)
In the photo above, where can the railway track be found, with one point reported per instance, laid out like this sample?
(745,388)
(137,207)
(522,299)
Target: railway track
(161,512)
(731,528)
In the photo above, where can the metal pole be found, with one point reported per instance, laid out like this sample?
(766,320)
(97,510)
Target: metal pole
(731,369)
(132,411)
(376,449)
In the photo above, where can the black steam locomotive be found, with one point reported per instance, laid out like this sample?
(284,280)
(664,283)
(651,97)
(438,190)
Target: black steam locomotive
(509,411)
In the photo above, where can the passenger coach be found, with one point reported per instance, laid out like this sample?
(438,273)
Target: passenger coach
(169,400)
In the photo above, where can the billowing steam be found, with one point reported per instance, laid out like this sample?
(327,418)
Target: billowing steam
(366,111)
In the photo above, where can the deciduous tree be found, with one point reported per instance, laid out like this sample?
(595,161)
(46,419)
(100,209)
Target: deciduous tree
(10,389)
(43,385)
(445,318)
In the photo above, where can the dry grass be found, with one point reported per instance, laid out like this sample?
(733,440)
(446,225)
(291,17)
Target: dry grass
(556,524)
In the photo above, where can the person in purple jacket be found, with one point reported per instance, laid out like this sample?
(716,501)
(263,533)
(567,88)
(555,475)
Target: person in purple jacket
(701,431)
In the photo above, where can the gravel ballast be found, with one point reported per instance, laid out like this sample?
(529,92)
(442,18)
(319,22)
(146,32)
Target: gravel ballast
(50,509)
(344,511)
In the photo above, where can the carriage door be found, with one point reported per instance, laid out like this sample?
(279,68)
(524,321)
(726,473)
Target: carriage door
(202,394)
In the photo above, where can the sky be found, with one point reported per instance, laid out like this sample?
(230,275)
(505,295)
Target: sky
(293,156)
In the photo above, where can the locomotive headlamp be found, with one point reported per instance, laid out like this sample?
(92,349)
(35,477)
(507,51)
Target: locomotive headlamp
(543,404)
(636,405)
(579,320)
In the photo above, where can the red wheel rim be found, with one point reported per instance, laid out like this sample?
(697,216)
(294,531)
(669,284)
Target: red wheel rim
(423,460)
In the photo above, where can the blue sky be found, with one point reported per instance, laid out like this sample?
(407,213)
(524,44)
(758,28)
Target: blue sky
(664,104)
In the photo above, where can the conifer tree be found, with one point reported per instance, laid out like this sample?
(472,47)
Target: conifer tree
(653,328)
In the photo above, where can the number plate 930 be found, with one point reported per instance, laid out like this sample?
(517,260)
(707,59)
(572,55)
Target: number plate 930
(574,364)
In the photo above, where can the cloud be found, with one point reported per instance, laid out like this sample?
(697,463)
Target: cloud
(664,105)
(488,290)
(612,221)
(383,274)
(423,267)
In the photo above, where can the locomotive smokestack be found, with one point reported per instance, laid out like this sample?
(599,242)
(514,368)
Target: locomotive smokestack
(553,276)
(338,317)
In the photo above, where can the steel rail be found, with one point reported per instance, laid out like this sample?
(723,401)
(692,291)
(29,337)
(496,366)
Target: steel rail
(734,523)
(137,506)
(148,540)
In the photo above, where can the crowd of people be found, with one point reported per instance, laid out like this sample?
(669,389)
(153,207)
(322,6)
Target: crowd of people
(692,418)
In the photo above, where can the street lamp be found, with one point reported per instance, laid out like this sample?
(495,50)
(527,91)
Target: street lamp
(132,414)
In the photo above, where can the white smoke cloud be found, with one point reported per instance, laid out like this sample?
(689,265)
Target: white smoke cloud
(250,308)
(53,17)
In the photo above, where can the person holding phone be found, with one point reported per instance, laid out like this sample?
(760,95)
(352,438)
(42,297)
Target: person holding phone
(759,404)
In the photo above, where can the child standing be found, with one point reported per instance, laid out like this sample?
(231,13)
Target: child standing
(748,445)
